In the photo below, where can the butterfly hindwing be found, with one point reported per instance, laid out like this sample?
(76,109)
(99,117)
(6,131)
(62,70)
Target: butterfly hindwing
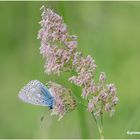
(37,94)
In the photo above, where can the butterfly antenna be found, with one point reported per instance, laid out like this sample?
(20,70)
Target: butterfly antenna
(45,117)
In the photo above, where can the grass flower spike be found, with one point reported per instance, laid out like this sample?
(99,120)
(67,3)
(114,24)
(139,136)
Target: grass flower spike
(64,99)
(59,49)
(57,46)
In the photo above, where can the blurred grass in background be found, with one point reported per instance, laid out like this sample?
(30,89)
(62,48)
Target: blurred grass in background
(109,31)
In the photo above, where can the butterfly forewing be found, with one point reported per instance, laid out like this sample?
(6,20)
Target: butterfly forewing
(37,94)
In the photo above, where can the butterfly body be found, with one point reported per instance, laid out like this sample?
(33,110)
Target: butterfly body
(37,94)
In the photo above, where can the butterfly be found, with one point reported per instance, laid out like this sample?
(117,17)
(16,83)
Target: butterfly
(37,94)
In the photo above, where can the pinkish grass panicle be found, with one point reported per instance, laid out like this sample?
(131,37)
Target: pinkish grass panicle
(59,49)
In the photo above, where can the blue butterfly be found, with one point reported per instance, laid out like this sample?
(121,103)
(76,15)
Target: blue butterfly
(37,94)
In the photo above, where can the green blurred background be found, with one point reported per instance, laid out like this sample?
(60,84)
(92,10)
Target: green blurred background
(109,31)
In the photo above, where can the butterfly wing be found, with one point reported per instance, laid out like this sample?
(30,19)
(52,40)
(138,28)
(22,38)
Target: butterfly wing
(37,94)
